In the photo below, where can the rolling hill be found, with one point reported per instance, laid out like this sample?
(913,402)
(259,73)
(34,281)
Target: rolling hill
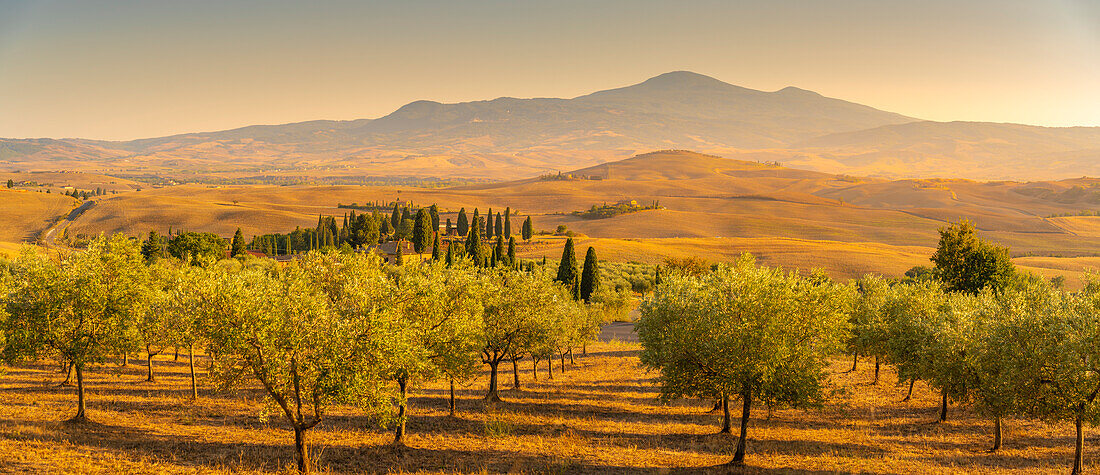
(509,138)
(710,206)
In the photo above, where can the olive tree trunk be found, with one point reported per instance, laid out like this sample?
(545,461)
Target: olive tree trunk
(81,413)
(739,455)
(877,366)
(191,363)
(302,449)
(402,411)
(452,405)
(149,364)
(493,395)
(1079,448)
(515,373)
(996,434)
(726,426)
(943,406)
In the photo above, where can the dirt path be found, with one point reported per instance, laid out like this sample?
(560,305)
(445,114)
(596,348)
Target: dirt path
(50,236)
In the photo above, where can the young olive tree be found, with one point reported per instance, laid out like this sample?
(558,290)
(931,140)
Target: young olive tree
(868,324)
(752,332)
(908,313)
(182,307)
(312,334)
(81,310)
(1062,365)
(1012,349)
(949,364)
(439,329)
(516,305)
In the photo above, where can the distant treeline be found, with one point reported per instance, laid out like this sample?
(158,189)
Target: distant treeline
(419,182)
(610,211)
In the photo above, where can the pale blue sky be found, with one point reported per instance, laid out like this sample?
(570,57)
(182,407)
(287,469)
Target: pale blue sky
(128,69)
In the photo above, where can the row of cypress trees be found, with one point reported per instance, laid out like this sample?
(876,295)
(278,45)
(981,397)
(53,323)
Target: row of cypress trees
(585,283)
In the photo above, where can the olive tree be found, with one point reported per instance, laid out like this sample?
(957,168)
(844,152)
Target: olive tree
(1061,366)
(908,313)
(752,332)
(438,326)
(867,321)
(948,363)
(80,310)
(312,334)
(1011,349)
(516,306)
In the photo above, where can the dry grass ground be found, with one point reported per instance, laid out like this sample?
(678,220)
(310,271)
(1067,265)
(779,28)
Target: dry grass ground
(601,416)
(26,213)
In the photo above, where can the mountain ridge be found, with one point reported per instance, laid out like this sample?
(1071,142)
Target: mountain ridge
(510,137)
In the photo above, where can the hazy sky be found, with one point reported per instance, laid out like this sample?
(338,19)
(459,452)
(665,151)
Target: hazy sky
(128,69)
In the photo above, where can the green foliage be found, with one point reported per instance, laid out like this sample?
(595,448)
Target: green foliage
(528,229)
(567,267)
(911,313)
(610,211)
(463,224)
(80,310)
(867,318)
(237,246)
(969,264)
(422,231)
(747,331)
(590,275)
(197,247)
(153,247)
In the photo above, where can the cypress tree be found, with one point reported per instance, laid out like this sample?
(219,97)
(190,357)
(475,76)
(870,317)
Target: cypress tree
(498,251)
(473,243)
(395,217)
(450,253)
(507,222)
(497,228)
(449,227)
(421,231)
(238,244)
(477,223)
(489,224)
(11,184)
(405,214)
(433,210)
(463,223)
(590,276)
(527,231)
(511,251)
(567,268)
(436,253)
(399,257)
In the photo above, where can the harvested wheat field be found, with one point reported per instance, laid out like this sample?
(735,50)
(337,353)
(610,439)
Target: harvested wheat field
(601,415)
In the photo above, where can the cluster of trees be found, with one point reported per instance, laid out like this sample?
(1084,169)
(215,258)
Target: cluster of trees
(80,194)
(489,226)
(972,328)
(403,223)
(187,246)
(610,211)
(329,328)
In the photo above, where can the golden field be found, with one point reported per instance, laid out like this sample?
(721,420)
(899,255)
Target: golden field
(600,416)
(27,213)
(711,207)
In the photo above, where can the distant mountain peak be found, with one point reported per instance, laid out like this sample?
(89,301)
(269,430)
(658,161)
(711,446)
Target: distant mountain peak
(794,91)
(682,79)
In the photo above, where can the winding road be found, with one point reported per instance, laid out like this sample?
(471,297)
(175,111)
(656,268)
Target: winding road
(50,236)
